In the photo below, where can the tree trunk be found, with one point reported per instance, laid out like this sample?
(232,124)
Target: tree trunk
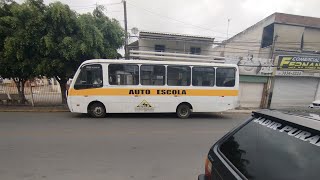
(20,87)
(63,87)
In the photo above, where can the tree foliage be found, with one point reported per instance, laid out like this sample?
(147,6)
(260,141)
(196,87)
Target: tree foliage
(73,38)
(53,40)
(21,31)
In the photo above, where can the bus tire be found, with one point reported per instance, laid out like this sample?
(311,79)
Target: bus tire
(183,111)
(97,110)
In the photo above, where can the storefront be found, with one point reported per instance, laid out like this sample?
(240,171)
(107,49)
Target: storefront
(296,81)
(251,90)
(254,73)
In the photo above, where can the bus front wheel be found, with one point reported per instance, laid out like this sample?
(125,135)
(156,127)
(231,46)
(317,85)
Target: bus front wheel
(97,110)
(183,111)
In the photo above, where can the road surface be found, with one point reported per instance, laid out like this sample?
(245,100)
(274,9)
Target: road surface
(128,146)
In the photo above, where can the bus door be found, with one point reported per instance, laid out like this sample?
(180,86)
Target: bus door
(124,81)
(226,79)
(87,85)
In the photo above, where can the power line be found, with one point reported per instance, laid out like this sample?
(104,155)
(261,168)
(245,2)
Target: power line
(114,11)
(176,20)
(94,6)
(197,26)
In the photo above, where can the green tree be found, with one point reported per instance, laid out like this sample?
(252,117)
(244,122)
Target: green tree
(59,44)
(21,31)
(71,39)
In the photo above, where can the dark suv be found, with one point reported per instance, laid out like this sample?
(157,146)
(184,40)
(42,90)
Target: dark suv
(270,145)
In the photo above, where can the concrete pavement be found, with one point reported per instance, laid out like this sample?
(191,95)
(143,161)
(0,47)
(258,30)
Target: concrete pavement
(119,147)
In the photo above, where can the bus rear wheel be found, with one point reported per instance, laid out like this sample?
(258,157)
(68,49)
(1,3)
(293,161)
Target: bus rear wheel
(97,110)
(183,111)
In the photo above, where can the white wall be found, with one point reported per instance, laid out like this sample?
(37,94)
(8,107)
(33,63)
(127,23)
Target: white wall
(174,46)
(317,95)
(250,94)
(289,37)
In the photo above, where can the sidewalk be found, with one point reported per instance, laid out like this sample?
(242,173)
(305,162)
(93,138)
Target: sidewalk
(34,109)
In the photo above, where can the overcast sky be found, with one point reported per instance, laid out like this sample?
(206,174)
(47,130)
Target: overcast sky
(196,17)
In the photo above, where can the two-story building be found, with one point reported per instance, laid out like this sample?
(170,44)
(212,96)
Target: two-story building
(294,84)
(172,43)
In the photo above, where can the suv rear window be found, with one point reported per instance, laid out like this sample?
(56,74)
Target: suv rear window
(272,149)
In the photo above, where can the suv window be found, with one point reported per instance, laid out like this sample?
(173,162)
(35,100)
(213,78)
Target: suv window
(272,149)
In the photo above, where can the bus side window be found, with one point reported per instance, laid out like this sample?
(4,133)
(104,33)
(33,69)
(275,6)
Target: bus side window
(152,74)
(90,76)
(203,76)
(179,75)
(225,77)
(123,74)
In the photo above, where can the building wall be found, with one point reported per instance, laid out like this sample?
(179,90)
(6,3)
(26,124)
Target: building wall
(317,95)
(174,46)
(295,34)
(311,38)
(292,39)
(288,37)
(245,43)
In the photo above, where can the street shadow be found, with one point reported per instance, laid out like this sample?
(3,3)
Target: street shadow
(153,116)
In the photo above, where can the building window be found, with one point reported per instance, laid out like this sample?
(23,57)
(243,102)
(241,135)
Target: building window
(159,48)
(152,74)
(267,36)
(195,50)
(225,77)
(179,75)
(123,74)
(302,41)
(203,76)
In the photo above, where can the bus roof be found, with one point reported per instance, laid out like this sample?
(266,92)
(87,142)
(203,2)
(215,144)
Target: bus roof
(133,61)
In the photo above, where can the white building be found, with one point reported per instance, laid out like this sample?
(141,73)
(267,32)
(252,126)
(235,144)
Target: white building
(172,43)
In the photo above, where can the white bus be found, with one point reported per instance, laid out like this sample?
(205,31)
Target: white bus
(143,86)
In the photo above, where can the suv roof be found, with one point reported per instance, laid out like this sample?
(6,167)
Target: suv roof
(309,120)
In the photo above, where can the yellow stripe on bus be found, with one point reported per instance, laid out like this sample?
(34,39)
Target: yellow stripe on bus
(151,92)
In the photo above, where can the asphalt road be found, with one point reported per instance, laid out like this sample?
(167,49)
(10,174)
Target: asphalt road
(129,146)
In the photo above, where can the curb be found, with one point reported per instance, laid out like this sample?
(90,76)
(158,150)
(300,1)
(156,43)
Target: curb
(30,109)
(240,111)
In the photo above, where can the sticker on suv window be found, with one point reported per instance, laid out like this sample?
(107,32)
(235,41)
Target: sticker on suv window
(289,130)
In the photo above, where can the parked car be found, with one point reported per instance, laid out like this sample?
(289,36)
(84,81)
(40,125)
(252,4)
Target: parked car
(270,145)
(315,104)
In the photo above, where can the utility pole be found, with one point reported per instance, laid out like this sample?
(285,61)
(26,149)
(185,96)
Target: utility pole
(126,53)
(272,78)
(224,46)
(228,28)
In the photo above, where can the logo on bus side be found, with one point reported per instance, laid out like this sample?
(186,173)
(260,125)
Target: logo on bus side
(144,106)
(159,92)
